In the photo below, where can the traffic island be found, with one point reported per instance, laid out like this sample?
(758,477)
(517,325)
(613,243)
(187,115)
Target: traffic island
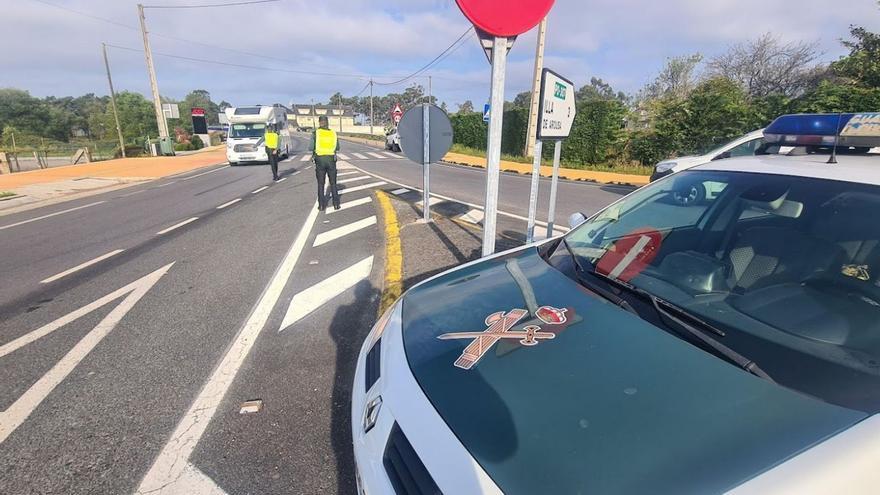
(427,249)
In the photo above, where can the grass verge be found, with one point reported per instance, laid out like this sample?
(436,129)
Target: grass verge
(620,168)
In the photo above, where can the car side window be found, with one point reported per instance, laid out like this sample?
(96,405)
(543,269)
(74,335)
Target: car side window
(746,149)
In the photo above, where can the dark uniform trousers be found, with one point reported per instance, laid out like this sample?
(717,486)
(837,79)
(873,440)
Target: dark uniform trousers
(325,167)
(273,161)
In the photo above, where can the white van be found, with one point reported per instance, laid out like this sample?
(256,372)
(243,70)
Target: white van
(247,125)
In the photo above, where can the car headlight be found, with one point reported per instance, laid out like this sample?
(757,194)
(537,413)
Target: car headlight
(391,317)
(665,166)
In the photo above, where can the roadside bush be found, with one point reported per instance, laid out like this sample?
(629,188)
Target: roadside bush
(647,148)
(131,151)
(197,143)
(184,147)
(468,129)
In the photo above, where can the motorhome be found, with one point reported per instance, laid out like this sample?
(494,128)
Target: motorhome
(247,125)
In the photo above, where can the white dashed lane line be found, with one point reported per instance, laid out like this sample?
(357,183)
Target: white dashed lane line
(281,179)
(51,215)
(431,202)
(177,226)
(81,266)
(260,190)
(473,216)
(205,173)
(343,231)
(228,203)
(305,158)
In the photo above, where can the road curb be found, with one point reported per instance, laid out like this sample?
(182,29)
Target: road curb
(393,279)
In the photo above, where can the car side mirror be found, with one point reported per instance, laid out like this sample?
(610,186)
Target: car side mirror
(576,219)
(723,156)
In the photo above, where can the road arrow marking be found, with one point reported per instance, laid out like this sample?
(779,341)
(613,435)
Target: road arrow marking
(18,412)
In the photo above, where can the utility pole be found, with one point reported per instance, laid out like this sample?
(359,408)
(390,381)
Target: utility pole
(113,101)
(536,83)
(371,106)
(430,92)
(154,85)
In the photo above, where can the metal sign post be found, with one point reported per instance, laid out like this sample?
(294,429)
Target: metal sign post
(556,114)
(493,148)
(533,193)
(551,214)
(426,163)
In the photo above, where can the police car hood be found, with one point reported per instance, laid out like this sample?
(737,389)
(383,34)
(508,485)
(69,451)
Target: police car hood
(587,398)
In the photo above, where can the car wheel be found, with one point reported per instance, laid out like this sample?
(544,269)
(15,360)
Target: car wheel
(232,164)
(690,195)
(395,148)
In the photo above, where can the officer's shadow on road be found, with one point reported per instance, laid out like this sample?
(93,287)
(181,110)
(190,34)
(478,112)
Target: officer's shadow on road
(348,329)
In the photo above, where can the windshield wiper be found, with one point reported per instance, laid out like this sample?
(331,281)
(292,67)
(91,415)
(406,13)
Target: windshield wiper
(601,292)
(714,345)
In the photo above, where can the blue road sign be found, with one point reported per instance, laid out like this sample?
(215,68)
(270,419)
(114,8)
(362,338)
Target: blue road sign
(486,109)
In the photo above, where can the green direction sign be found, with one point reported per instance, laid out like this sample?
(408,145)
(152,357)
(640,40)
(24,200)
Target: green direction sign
(556,110)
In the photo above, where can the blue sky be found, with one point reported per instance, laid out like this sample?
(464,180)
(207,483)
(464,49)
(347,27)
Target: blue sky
(57,52)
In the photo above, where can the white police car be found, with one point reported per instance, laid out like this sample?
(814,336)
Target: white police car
(724,345)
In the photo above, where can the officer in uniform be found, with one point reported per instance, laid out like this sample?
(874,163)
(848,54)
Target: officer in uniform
(324,147)
(271,140)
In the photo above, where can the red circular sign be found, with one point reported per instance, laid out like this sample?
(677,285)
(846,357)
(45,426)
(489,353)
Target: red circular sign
(630,254)
(505,17)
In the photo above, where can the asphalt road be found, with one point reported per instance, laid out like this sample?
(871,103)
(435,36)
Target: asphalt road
(135,324)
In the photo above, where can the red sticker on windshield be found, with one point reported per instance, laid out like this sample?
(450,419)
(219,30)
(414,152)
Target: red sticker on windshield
(630,254)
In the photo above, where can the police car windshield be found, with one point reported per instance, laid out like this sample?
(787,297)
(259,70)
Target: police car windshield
(787,267)
(247,130)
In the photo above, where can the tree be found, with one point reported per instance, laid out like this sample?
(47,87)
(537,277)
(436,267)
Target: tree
(862,66)
(766,66)
(523,100)
(599,90)
(137,116)
(836,97)
(466,107)
(598,131)
(676,80)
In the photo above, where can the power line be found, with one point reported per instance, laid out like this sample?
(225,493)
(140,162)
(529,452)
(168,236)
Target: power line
(364,88)
(209,5)
(90,16)
(243,66)
(429,64)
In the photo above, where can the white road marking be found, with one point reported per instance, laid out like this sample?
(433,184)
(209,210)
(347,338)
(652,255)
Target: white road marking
(257,191)
(353,179)
(473,215)
(376,155)
(165,184)
(50,215)
(361,188)
(351,204)
(358,155)
(229,203)
(431,202)
(171,473)
(343,174)
(81,266)
(340,155)
(557,229)
(343,231)
(177,226)
(281,179)
(131,193)
(307,167)
(18,412)
(205,173)
(307,301)
(305,158)
(398,192)
(391,155)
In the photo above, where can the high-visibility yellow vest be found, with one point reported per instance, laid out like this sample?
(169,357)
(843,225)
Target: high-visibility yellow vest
(271,139)
(325,142)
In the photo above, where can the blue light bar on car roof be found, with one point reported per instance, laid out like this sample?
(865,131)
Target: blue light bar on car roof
(855,130)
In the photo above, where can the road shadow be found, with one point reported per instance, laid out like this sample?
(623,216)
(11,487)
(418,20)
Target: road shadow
(350,326)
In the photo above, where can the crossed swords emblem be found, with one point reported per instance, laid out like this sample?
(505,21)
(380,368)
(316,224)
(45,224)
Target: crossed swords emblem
(500,326)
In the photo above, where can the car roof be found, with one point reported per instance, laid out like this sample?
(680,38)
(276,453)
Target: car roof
(864,168)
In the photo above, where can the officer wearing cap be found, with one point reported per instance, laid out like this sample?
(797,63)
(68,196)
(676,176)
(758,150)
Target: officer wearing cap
(270,138)
(324,147)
